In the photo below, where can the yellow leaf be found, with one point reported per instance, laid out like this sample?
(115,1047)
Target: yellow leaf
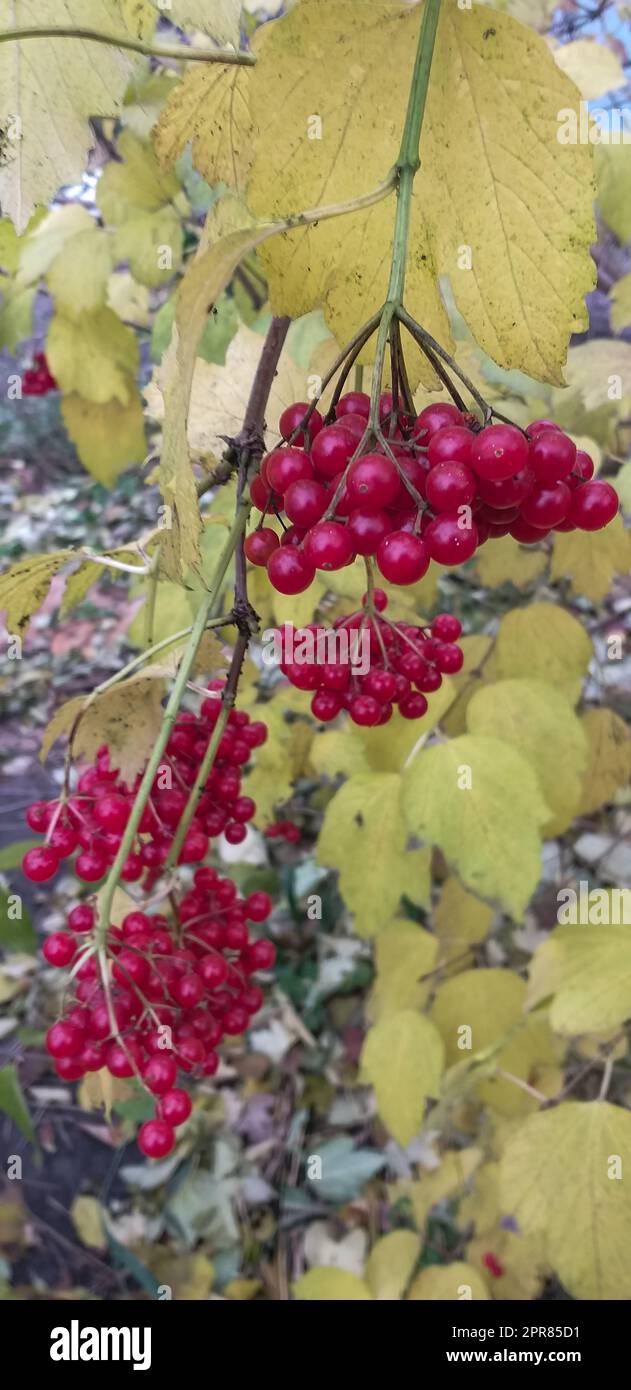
(135,183)
(339,751)
(590,367)
(242,1290)
(404,953)
(390,1264)
(100,1088)
(609,758)
(461,920)
(108,438)
(95,355)
(128,717)
(439,1283)
(594,67)
(221,19)
(47,239)
(402,1058)
(484,160)
(537,721)
(542,642)
(620,297)
(364,836)
(479,802)
(450,1178)
(389,754)
(53,87)
(24,587)
(152,243)
(190,1277)
(326,1285)
(209,109)
(477,650)
(281,760)
(86,1215)
(592,559)
(490,1002)
(505,561)
(127,299)
(613,173)
(564,1174)
(586,968)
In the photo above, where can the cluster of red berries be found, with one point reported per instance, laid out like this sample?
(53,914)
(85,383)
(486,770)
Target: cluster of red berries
(401,663)
(440,488)
(177,988)
(38,380)
(92,821)
(283,830)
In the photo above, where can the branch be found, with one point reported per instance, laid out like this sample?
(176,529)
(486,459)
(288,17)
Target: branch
(188,55)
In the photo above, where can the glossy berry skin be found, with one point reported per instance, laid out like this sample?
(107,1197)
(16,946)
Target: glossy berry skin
(90,866)
(332,449)
(446,628)
(507,492)
(449,486)
(64,1039)
(353,403)
(499,451)
(112,813)
(593,506)
(286,466)
(156,1138)
(261,955)
(40,864)
(583,466)
(525,533)
(175,1106)
(160,1073)
(449,658)
(289,570)
(327,546)
(373,482)
(367,529)
(293,416)
(365,711)
(448,542)
(552,456)
(258,906)
(59,949)
(547,505)
(452,444)
(402,557)
(413,706)
(305,501)
(260,544)
(261,496)
(434,418)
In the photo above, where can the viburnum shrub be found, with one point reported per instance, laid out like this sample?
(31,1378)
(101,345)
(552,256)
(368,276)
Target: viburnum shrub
(419,739)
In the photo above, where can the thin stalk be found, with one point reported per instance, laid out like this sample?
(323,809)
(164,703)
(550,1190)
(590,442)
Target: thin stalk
(170,51)
(424,339)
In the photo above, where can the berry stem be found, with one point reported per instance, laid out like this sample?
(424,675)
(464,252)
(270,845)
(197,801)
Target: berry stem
(433,350)
(170,51)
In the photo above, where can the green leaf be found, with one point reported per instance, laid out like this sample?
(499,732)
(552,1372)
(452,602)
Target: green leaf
(16,933)
(13,1104)
(345,1170)
(403,1058)
(24,587)
(11,856)
(479,802)
(323,1285)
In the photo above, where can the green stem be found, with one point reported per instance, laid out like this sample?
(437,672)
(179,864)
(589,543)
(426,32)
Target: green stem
(407,165)
(175,699)
(170,51)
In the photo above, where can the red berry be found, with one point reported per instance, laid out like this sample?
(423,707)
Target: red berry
(293,416)
(402,557)
(367,529)
(235,1020)
(59,949)
(290,571)
(258,906)
(446,628)
(353,403)
(90,866)
(593,506)
(547,505)
(552,456)
(285,466)
(449,542)
(434,418)
(40,864)
(332,449)
(526,534)
(260,544)
(328,545)
(156,1138)
(583,465)
(175,1106)
(452,444)
(499,451)
(449,486)
(305,501)
(413,706)
(112,812)
(373,482)
(159,1073)
(64,1039)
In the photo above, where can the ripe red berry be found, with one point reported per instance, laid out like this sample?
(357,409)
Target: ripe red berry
(235,1020)
(402,557)
(258,906)
(290,571)
(112,812)
(547,505)
(373,482)
(552,456)
(175,1106)
(434,418)
(413,706)
(285,466)
(449,486)
(446,628)
(40,864)
(293,416)
(332,449)
(448,541)
(59,949)
(593,505)
(159,1073)
(328,545)
(353,403)
(305,502)
(452,444)
(499,451)
(64,1039)
(156,1138)
(259,545)
(367,530)
(90,866)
